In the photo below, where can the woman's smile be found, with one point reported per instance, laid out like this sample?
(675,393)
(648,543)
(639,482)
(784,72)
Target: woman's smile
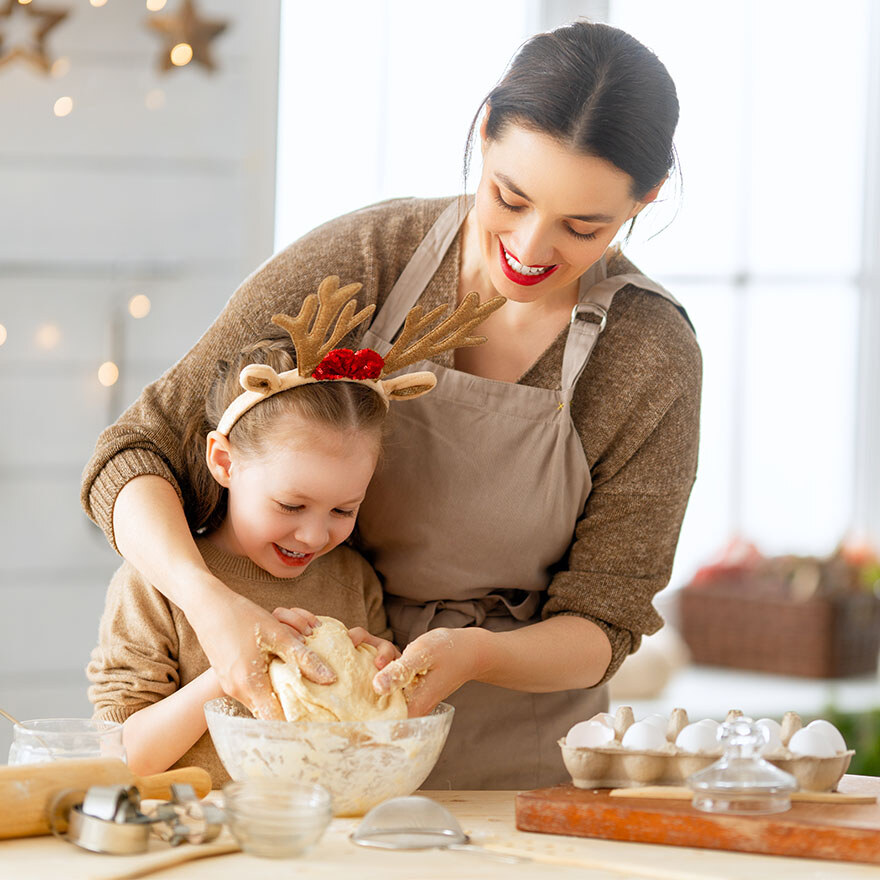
(520,273)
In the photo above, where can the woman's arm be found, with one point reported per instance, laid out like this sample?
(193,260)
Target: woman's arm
(153,535)
(148,746)
(562,653)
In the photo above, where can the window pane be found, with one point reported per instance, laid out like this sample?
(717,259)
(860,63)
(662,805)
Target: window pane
(376,99)
(798,444)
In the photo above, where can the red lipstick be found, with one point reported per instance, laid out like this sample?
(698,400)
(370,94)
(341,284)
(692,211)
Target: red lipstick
(518,277)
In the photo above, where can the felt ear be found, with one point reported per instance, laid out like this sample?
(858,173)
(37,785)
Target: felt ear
(409,385)
(260,378)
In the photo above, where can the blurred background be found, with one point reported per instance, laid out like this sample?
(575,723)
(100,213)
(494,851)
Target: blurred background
(154,153)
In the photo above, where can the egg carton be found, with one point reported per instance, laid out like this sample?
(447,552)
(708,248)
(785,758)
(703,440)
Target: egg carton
(613,766)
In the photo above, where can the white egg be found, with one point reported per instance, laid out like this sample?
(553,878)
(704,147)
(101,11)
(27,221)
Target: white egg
(813,742)
(589,735)
(644,735)
(698,737)
(834,735)
(658,720)
(774,735)
(604,718)
(709,723)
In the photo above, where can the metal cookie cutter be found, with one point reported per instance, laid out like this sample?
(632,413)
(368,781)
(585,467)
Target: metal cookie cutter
(107,821)
(186,819)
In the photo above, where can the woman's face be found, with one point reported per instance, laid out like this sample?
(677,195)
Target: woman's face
(294,503)
(546,213)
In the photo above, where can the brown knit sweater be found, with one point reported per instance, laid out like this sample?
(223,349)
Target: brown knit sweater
(147,649)
(636,409)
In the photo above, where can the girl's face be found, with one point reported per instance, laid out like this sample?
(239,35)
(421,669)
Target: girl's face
(546,213)
(290,505)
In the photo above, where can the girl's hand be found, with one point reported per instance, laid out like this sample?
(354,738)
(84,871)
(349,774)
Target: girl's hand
(433,666)
(301,620)
(238,637)
(387,650)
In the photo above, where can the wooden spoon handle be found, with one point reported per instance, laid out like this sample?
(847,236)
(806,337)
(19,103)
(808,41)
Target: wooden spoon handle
(158,785)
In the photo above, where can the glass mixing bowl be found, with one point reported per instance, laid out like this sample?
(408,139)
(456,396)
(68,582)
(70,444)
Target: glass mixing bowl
(361,763)
(49,739)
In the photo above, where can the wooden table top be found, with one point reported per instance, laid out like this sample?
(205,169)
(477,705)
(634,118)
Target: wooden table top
(487,816)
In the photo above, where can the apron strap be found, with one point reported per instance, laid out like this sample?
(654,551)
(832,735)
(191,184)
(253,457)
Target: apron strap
(421,267)
(589,315)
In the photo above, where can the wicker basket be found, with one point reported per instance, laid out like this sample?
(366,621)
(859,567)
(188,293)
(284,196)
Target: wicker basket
(821,637)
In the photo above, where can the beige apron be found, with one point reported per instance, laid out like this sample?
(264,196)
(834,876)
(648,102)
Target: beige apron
(474,504)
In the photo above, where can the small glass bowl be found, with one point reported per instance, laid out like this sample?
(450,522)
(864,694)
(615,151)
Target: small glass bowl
(52,739)
(275,818)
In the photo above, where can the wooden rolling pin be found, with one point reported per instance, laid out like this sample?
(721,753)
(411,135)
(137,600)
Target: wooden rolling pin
(27,790)
(680,793)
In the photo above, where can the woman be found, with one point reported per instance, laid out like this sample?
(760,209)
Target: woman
(528,511)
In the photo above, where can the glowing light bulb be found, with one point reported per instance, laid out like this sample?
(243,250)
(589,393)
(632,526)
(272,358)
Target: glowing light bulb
(155,99)
(181,54)
(63,106)
(155,5)
(108,373)
(2,334)
(98,2)
(48,336)
(24,2)
(139,306)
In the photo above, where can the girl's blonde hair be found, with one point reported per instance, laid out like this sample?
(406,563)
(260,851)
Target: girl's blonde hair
(333,406)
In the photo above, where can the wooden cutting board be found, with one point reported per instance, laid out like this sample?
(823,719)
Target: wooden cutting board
(846,832)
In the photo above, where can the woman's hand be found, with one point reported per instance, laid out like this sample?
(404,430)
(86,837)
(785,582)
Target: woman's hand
(238,637)
(387,650)
(433,666)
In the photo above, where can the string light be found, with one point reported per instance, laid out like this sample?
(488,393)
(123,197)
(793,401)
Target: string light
(2,334)
(139,306)
(63,106)
(155,5)
(48,336)
(61,67)
(98,2)
(181,54)
(108,373)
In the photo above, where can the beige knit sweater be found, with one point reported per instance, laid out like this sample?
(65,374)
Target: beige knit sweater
(636,409)
(147,649)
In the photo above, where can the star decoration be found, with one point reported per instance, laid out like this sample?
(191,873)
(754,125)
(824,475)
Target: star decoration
(187,27)
(30,47)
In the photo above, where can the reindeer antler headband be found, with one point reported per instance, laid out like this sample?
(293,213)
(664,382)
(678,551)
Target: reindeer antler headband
(318,361)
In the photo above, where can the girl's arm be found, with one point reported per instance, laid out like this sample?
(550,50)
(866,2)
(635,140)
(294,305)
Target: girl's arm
(158,735)
(153,535)
(561,653)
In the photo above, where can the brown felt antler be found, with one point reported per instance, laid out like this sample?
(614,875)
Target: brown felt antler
(411,347)
(331,302)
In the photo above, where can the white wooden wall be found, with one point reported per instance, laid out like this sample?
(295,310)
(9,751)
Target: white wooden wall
(114,200)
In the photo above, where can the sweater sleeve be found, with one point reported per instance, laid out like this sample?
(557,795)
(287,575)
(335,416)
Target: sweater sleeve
(135,662)
(624,543)
(370,246)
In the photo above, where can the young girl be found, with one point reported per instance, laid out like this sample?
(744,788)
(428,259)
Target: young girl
(283,468)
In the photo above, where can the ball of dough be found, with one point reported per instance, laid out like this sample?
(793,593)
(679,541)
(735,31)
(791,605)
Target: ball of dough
(351,697)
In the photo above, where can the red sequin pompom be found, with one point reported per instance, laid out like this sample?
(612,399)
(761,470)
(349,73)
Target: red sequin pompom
(343,363)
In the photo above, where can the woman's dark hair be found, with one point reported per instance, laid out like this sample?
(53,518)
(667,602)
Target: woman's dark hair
(597,90)
(340,407)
